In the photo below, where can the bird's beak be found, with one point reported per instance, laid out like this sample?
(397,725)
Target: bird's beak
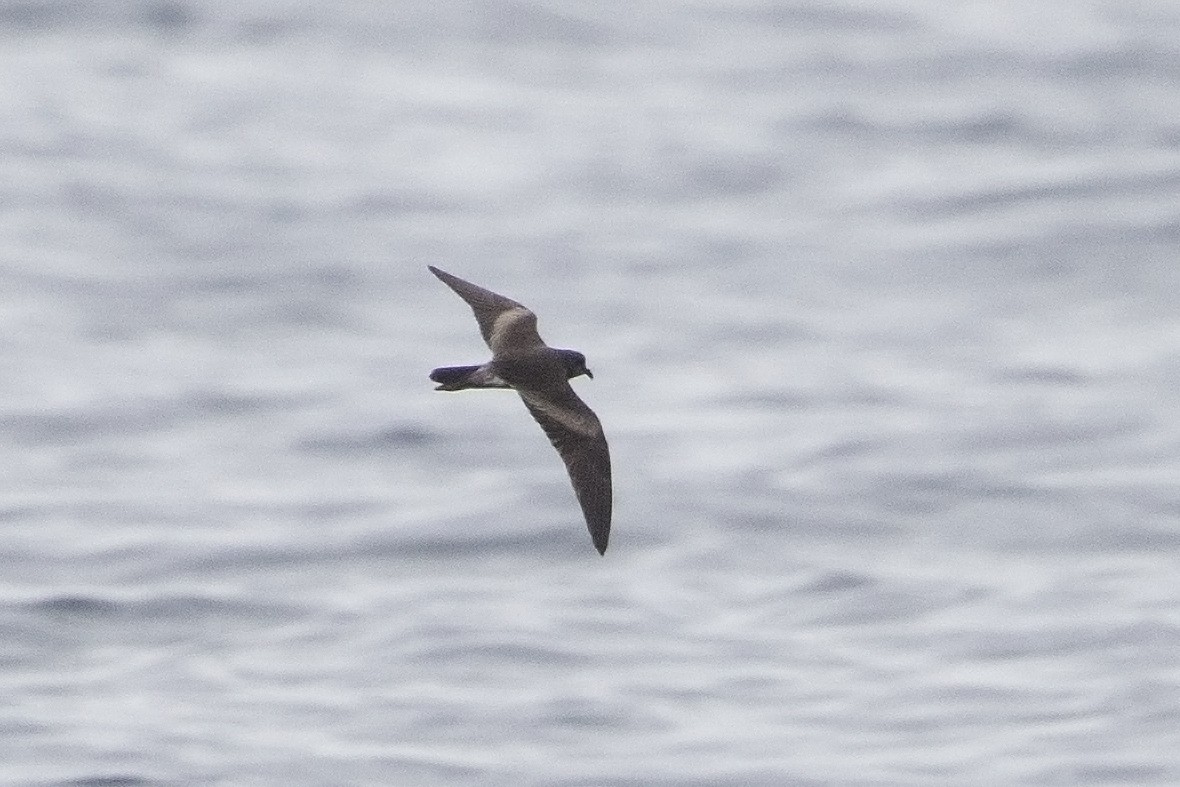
(590,374)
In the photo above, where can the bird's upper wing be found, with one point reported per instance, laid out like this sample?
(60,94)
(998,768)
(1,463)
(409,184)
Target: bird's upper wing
(504,323)
(576,433)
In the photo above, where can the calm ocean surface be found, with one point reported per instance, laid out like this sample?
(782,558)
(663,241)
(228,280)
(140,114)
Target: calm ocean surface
(883,304)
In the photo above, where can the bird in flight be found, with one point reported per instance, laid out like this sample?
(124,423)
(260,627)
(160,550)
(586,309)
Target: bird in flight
(540,374)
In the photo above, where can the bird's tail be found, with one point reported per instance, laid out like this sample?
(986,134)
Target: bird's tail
(456,378)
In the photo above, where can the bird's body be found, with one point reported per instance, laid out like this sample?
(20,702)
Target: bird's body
(541,375)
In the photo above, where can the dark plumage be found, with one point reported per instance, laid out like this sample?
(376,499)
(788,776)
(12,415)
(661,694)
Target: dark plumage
(541,375)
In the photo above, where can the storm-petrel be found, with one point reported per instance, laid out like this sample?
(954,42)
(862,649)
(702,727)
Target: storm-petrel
(541,375)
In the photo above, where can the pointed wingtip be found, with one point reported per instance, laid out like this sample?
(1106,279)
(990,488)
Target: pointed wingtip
(448,279)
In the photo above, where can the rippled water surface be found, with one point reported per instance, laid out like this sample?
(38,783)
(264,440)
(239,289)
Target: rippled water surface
(882,303)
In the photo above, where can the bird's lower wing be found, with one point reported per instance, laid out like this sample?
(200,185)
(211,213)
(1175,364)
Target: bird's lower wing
(576,433)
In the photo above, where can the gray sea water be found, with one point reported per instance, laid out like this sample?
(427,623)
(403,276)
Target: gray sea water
(882,299)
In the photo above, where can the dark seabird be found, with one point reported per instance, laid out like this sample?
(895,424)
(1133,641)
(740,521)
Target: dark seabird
(541,375)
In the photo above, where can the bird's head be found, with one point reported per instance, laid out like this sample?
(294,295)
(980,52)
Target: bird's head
(575,364)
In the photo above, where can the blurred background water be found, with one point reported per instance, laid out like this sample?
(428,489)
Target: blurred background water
(883,302)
